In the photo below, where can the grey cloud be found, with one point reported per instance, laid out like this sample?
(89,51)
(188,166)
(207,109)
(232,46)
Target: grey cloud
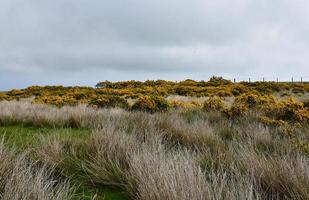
(71,41)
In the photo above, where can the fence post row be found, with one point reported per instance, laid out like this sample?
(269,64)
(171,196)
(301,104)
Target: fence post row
(277,80)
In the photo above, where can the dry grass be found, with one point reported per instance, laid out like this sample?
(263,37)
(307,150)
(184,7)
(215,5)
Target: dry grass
(278,178)
(108,156)
(159,175)
(80,116)
(22,179)
(181,154)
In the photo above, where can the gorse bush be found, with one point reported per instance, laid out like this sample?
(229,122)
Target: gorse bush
(290,110)
(4,97)
(250,102)
(237,109)
(239,89)
(144,103)
(271,122)
(161,103)
(107,101)
(56,100)
(18,94)
(185,105)
(254,100)
(213,104)
(151,104)
(271,112)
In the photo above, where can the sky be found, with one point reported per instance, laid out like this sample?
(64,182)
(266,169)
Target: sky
(82,42)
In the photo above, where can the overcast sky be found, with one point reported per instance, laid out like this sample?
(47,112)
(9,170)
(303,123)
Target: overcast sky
(80,42)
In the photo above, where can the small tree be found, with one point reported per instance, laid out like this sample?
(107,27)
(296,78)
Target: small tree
(104,84)
(218,80)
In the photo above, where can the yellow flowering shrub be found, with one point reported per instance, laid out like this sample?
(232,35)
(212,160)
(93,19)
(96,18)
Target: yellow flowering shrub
(144,103)
(255,100)
(52,100)
(290,110)
(213,104)
(185,105)
(57,100)
(250,101)
(151,104)
(18,94)
(271,122)
(105,101)
(236,110)
(4,97)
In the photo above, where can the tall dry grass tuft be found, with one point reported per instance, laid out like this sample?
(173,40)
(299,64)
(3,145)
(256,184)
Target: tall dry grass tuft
(22,179)
(109,152)
(277,178)
(159,174)
(195,134)
(156,174)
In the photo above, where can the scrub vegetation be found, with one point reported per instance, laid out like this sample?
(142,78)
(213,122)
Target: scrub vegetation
(156,140)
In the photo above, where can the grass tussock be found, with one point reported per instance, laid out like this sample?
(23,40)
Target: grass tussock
(23,179)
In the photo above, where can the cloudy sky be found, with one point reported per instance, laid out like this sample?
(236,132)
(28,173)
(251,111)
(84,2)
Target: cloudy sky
(80,42)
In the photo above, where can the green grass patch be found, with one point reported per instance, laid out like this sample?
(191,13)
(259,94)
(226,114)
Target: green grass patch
(22,137)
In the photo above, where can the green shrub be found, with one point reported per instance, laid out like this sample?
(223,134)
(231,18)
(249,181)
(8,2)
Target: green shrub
(266,87)
(161,103)
(298,90)
(18,94)
(239,89)
(306,104)
(285,94)
(183,91)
